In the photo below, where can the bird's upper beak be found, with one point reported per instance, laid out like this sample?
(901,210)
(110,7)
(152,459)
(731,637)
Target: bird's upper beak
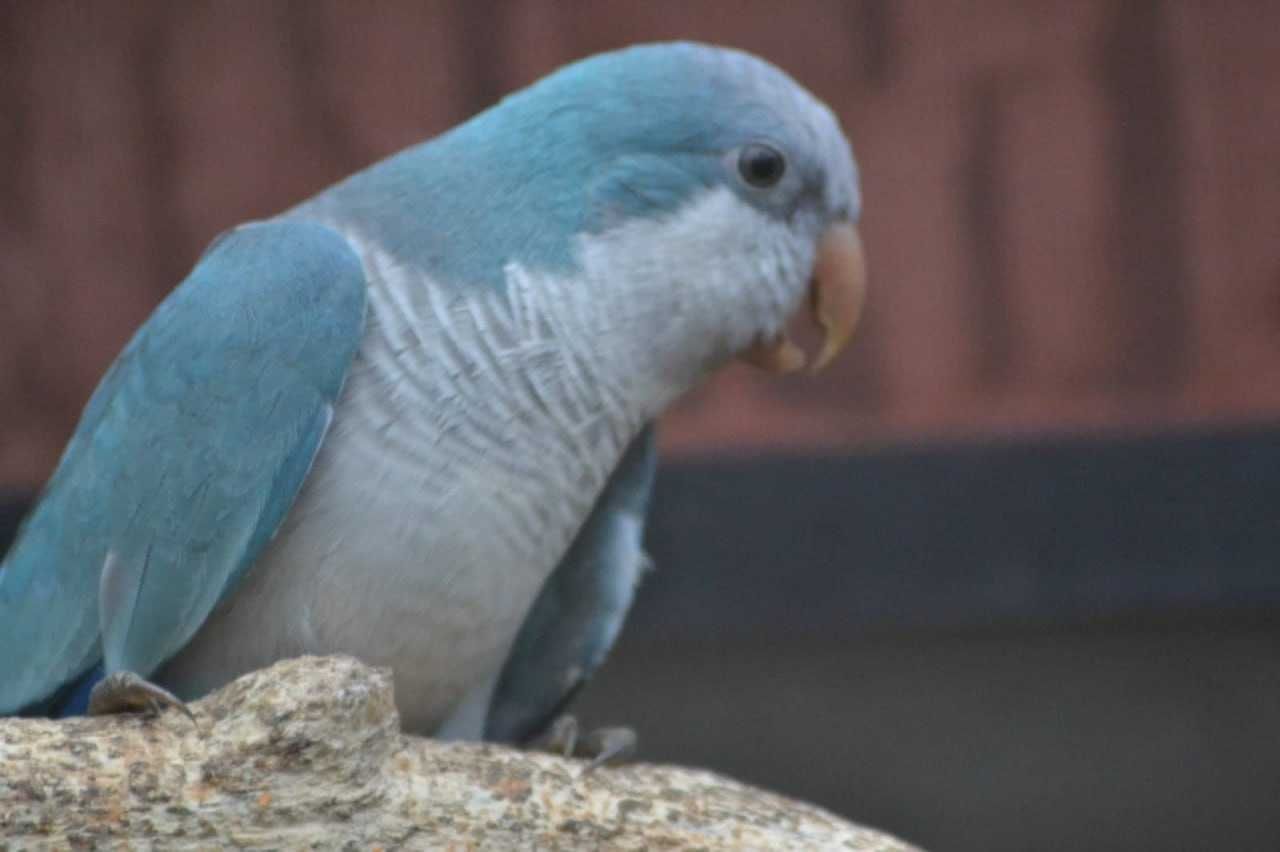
(836,294)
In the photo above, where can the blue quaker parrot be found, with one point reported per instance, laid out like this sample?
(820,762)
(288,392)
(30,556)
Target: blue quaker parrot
(410,419)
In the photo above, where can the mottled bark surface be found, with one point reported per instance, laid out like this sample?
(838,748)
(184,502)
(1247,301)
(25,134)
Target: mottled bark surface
(309,754)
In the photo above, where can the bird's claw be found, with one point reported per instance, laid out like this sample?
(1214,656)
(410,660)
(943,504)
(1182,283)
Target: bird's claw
(561,738)
(126,692)
(601,746)
(608,745)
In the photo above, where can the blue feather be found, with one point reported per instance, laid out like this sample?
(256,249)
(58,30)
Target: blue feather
(185,461)
(579,612)
(625,119)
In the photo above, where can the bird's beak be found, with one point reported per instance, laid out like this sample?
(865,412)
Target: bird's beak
(836,294)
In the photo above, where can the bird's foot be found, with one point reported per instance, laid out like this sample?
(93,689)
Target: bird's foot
(125,692)
(600,746)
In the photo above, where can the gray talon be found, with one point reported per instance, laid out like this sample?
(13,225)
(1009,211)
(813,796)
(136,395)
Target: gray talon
(126,692)
(601,746)
(608,745)
(562,736)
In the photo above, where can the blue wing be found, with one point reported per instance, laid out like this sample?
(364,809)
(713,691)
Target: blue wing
(577,616)
(185,462)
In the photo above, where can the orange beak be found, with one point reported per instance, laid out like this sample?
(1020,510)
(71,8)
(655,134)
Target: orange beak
(836,295)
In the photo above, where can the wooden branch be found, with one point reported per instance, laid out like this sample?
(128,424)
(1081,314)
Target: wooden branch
(308,753)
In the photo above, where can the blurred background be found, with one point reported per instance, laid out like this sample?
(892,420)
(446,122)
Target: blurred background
(1004,578)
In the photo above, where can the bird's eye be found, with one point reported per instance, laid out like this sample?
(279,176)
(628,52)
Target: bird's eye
(761,165)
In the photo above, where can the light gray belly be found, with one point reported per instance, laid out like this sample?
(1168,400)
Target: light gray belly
(426,567)
(466,450)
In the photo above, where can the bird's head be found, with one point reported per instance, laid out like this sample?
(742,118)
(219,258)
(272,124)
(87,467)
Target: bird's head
(699,193)
(717,178)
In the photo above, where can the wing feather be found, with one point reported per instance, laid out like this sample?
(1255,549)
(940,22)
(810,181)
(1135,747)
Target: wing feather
(186,460)
(579,612)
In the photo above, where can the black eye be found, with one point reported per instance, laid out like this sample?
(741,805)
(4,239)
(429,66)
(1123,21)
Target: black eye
(761,165)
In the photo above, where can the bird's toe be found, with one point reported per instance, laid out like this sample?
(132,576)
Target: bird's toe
(126,692)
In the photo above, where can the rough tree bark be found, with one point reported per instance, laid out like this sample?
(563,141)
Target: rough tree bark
(309,753)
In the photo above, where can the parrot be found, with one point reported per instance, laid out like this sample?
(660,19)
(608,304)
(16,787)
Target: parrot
(411,419)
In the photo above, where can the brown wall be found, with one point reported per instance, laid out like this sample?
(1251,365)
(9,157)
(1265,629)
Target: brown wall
(1072,209)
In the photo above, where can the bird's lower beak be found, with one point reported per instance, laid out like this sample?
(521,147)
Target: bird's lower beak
(836,294)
